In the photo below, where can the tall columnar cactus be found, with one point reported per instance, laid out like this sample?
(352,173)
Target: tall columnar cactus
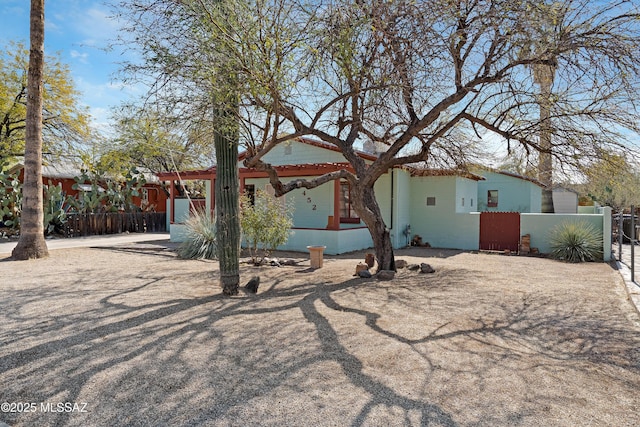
(227,210)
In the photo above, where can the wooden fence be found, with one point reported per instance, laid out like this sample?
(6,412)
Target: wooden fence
(78,225)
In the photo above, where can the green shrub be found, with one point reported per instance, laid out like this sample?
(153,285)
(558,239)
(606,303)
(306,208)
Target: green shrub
(200,240)
(266,223)
(576,242)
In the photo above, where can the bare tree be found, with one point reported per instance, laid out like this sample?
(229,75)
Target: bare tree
(422,79)
(32,243)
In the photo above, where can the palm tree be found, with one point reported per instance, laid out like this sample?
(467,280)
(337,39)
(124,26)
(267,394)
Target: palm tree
(32,243)
(544,74)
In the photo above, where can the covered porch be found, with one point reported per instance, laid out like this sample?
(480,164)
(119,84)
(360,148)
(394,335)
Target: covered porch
(322,216)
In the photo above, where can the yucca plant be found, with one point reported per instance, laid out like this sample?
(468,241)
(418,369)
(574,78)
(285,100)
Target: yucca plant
(200,240)
(576,242)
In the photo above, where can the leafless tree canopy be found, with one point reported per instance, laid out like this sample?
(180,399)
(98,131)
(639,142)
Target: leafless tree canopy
(423,80)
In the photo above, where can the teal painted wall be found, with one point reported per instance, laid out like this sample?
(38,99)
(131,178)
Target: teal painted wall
(311,207)
(466,195)
(433,223)
(336,242)
(402,209)
(514,194)
(448,224)
(294,153)
(540,227)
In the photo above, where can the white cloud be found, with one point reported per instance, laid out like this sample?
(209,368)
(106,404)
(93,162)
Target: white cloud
(82,57)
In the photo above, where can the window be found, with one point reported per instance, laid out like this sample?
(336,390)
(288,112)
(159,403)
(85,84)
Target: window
(250,190)
(472,202)
(287,148)
(431,201)
(463,201)
(492,198)
(347,214)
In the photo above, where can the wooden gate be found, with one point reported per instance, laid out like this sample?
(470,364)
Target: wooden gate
(499,231)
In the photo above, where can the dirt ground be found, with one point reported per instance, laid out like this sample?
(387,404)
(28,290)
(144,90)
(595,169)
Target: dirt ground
(131,335)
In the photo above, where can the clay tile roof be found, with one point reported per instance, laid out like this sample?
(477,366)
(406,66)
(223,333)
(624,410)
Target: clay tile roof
(417,171)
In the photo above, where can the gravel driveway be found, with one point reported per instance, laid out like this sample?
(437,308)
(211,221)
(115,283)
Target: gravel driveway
(130,335)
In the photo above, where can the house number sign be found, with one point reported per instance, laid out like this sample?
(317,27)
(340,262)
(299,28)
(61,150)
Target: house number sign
(313,206)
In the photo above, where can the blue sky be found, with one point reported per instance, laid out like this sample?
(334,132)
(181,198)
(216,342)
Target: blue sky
(79,30)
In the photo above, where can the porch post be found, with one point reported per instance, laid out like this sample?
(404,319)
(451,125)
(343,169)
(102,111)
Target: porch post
(212,201)
(172,205)
(336,206)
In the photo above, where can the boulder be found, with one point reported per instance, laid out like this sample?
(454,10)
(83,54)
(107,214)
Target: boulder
(400,263)
(426,268)
(365,274)
(252,285)
(386,274)
(413,267)
(361,267)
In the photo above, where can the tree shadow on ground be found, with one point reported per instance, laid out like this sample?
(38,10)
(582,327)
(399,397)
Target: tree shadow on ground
(153,358)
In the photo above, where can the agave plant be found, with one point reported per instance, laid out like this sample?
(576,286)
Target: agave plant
(200,242)
(576,242)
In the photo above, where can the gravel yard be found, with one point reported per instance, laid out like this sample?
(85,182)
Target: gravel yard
(130,335)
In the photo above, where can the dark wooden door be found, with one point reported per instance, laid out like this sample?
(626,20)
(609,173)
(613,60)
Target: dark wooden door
(499,231)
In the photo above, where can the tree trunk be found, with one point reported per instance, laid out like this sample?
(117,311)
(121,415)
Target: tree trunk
(366,205)
(227,211)
(32,243)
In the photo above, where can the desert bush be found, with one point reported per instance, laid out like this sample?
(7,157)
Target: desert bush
(576,242)
(266,223)
(200,242)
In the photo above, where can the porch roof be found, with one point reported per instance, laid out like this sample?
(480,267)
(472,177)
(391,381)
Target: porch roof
(414,171)
(306,169)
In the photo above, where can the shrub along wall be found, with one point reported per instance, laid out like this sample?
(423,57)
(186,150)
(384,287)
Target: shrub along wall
(539,226)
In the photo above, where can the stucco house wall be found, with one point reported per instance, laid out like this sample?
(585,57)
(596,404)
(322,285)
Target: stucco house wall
(295,152)
(515,194)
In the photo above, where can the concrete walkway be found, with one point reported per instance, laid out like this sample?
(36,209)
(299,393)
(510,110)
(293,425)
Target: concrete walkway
(7,246)
(633,286)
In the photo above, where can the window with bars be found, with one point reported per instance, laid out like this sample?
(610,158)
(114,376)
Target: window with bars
(347,214)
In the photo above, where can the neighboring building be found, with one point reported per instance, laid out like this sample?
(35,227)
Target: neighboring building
(565,200)
(153,195)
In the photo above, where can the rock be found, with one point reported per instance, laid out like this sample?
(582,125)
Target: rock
(274,262)
(413,267)
(426,268)
(370,259)
(386,274)
(361,267)
(400,263)
(365,274)
(252,285)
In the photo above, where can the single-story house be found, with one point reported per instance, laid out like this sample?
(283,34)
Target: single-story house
(441,206)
